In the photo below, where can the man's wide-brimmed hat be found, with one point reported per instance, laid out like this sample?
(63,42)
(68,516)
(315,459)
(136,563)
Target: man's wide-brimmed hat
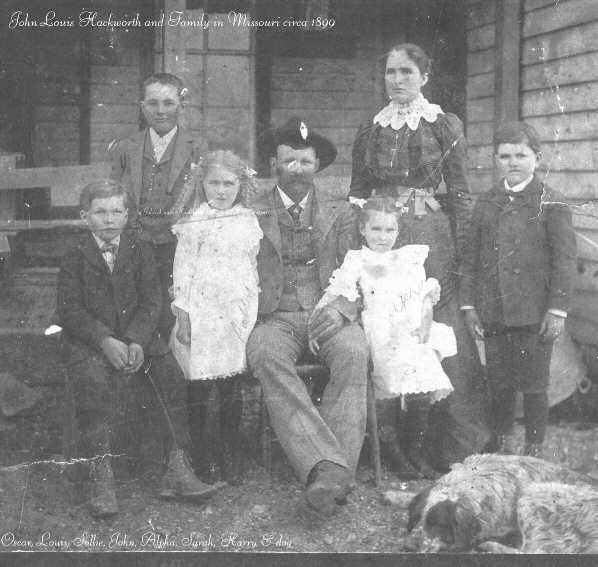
(298,134)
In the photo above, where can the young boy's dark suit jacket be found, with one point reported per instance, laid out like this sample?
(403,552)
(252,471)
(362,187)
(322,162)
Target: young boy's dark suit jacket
(93,304)
(520,258)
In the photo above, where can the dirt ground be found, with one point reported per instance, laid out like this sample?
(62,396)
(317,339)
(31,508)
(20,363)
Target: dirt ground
(44,508)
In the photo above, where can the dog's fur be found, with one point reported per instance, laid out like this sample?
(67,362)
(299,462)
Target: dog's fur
(546,507)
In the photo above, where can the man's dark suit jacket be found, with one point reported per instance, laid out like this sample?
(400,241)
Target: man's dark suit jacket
(520,258)
(94,304)
(334,233)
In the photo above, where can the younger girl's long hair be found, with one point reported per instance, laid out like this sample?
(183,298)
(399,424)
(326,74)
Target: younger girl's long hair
(380,205)
(193,193)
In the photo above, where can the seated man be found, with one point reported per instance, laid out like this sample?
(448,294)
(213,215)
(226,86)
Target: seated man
(306,236)
(109,303)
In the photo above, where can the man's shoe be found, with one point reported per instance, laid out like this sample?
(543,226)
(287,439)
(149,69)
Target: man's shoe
(327,487)
(180,481)
(103,503)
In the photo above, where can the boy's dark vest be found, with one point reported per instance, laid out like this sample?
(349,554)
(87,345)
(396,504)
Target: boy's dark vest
(155,201)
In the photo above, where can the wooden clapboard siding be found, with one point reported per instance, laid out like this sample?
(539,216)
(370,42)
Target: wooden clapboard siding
(578,126)
(576,185)
(481,38)
(56,95)
(481,84)
(558,15)
(561,43)
(480,14)
(335,94)
(481,62)
(564,71)
(559,86)
(559,97)
(114,77)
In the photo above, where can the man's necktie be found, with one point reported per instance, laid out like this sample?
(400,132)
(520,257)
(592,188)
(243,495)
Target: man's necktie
(295,212)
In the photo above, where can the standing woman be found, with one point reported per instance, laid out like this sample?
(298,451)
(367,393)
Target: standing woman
(404,152)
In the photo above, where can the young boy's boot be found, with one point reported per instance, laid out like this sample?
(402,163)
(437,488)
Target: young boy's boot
(103,503)
(180,481)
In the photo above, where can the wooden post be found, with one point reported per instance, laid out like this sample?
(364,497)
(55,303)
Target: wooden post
(508,60)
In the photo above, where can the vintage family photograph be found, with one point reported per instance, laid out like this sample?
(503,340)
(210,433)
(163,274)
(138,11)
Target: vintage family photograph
(299,276)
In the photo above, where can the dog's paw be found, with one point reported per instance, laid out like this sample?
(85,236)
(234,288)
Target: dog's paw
(495,547)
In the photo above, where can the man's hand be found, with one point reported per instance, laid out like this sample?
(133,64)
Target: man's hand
(473,324)
(324,324)
(136,358)
(552,326)
(116,352)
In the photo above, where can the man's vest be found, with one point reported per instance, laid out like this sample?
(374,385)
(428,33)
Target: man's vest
(301,289)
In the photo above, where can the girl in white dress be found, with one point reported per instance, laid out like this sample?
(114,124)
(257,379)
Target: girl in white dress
(406,344)
(215,288)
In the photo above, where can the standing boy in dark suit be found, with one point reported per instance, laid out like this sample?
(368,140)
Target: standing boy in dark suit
(154,165)
(109,303)
(516,282)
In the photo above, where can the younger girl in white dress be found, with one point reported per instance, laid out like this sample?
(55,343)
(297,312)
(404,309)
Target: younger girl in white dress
(406,344)
(215,287)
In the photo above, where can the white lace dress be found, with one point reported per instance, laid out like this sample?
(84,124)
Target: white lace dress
(215,280)
(393,285)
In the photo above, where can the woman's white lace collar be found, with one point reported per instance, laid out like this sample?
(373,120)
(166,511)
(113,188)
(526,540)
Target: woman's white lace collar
(397,115)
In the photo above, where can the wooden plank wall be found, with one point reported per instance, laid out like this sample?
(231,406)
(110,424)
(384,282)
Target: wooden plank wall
(330,94)
(335,95)
(560,90)
(114,77)
(559,97)
(481,80)
(56,96)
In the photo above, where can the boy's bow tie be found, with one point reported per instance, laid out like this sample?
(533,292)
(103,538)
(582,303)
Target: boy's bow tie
(109,247)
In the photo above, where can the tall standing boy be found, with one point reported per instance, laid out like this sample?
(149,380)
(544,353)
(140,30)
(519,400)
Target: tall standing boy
(516,283)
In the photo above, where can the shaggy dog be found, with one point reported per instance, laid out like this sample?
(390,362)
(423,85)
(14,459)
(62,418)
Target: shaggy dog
(539,506)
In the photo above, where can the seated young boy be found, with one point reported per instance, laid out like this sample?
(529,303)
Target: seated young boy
(516,283)
(109,303)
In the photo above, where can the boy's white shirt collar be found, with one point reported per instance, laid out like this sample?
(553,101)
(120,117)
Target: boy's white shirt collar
(288,202)
(520,186)
(160,143)
(100,242)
